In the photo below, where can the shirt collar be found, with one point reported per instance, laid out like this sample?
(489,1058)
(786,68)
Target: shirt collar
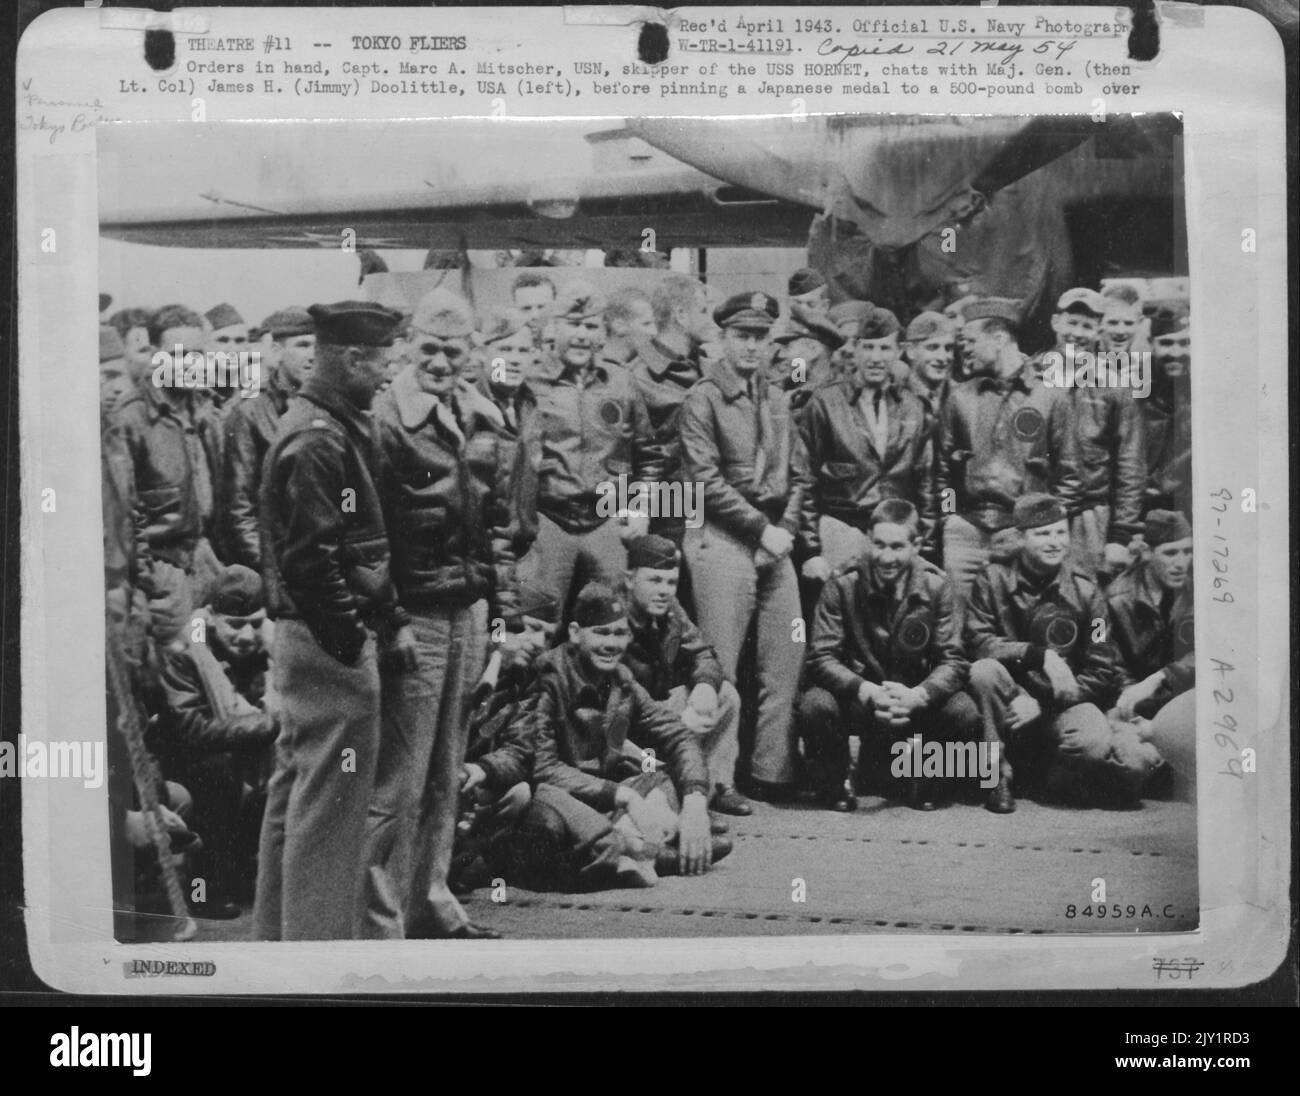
(729,381)
(325,395)
(1024,379)
(554,368)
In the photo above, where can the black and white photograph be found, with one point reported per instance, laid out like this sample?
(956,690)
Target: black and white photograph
(648,527)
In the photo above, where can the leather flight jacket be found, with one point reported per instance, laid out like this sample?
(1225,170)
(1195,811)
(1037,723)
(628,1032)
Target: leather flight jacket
(325,553)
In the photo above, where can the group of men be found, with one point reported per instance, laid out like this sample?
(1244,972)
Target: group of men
(398,562)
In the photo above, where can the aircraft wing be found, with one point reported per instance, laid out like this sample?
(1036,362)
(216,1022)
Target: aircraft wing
(508,184)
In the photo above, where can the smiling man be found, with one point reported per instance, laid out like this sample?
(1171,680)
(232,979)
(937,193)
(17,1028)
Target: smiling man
(587,708)
(1151,606)
(590,422)
(1045,669)
(885,661)
(442,492)
(741,444)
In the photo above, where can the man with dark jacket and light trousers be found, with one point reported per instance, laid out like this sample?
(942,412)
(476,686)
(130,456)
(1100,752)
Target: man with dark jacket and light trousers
(326,568)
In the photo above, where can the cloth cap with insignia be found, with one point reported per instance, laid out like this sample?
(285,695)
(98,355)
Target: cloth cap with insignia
(957,310)
(655,552)
(751,311)
(928,325)
(597,604)
(110,343)
(847,316)
(500,323)
(579,300)
(880,324)
(1035,510)
(355,323)
(1081,299)
(237,592)
(804,324)
(223,315)
(1168,318)
(535,602)
(1163,526)
(804,281)
(994,308)
(288,322)
(443,314)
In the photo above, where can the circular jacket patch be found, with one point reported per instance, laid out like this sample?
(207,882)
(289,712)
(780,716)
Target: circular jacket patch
(914,635)
(1061,633)
(1187,632)
(1027,423)
(611,413)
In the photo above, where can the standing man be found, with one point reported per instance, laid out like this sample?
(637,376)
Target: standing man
(162,427)
(802,364)
(629,325)
(230,335)
(670,659)
(807,289)
(663,371)
(1108,430)
(885,660)
(1003,435)
(441,491)
(534,295)
(741,445)
(866,442)
(1045,669)
(929,348)
(1151,607)
(1121,317)
(589,419)
(288,351)
(326,566)
(1168,412)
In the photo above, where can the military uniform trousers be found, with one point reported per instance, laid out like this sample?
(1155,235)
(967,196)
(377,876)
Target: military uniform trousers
(967,549)
(826,724)
(1084,757)
(320,791)
(731,593)
(561,562)
(720,745)
(411,828)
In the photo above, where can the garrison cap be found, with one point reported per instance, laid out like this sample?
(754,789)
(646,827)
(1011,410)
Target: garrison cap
(957,310)
(501,323)
(1081,299)
(444,314)
(355,323)
(880,324)
(597,604)
(1163,526)
(110,343)
(1035,510)
(289,322)
(223,315)
(657,553)
(238,592)
(804,281)
(536,602)
(993,308)
(1168,318)
(804,324)
(847,316)
(751,311)
(929,324)
(578,301)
